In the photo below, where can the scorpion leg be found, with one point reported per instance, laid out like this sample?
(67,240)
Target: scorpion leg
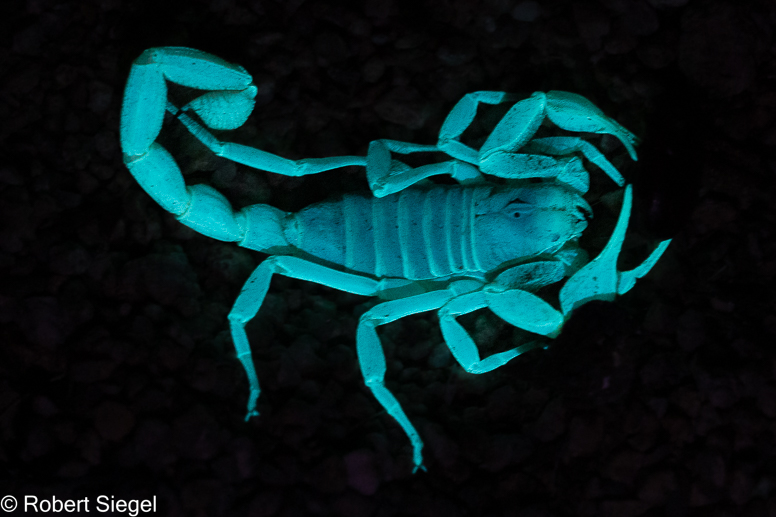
(568,111)
(372,358)
(255,289)
(460,117)
(599,279)
(572,112)
(570,171)
(461,344)
(520,166)
(560,145)
(387,176)
(509,298)
(516,128)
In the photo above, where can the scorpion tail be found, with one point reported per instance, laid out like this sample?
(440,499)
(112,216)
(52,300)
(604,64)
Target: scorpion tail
(204,209)
(199,207)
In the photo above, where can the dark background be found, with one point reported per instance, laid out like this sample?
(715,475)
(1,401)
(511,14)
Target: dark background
(117,372)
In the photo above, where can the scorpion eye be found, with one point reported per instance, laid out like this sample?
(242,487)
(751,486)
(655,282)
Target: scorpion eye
(516,215)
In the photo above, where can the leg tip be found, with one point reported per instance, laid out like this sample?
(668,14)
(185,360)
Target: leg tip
(417,458)
(419,467)
(252,405)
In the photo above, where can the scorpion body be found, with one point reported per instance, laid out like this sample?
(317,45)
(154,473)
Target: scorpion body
(416,246)
(437,233)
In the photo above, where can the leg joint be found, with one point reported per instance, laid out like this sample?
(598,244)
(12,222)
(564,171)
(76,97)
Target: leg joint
(368,318)
(473,367)
(373,382)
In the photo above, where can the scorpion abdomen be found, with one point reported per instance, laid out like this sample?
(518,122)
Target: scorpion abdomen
(417,234)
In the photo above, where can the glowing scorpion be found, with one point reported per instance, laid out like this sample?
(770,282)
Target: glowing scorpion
(416,245)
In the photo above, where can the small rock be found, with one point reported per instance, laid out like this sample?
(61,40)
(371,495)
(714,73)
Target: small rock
(691,333)
(722,392)
(679,429)
(660,4)
(519,484)
(722,305)
(709,467)
(43,321)
(660,318)
(402,107)
(353,505)
(373,69)
(528,11)
(113,420)
(660,371)
(641,426)
(621,42)
(44,406)
(362,472)
(687,399)
(444,449)
(39,443)
(65,431)
(266,503)
(501,403)
(699,496)
(68,259)
(592,23)
(331,47)
(659,405)
(551,423)
(626,508)
(656,488)
(641,19)
(10,176)
(457,53)
(100,96)
(197,435)
(624,466)
(28,41)
(766,401)
(707,419)
(152,443)
(440,356)
(500,450)
(655,56)
(73,469)
(717,48)
(330,476)
(284,471)
(585,436)
(741,485)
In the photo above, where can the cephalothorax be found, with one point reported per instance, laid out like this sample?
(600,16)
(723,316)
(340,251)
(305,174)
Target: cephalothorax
(415,245)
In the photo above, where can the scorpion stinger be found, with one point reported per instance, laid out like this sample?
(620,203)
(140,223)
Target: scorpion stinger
(415,246)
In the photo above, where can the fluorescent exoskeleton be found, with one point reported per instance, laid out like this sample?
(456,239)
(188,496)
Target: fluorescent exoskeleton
(417,246)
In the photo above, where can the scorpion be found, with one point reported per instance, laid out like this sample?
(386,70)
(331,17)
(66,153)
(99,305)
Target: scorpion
(415,245)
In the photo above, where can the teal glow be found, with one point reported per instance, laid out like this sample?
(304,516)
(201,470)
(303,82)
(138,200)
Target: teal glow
(417,246)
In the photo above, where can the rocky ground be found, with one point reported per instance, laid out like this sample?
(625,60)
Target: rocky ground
(117,371)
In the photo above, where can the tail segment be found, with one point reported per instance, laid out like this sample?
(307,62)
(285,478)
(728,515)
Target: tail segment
(199,207)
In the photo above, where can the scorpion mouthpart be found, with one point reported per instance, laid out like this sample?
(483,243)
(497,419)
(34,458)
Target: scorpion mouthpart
(585,208)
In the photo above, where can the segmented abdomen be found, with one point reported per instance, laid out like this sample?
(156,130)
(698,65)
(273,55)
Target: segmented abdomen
(414,234)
